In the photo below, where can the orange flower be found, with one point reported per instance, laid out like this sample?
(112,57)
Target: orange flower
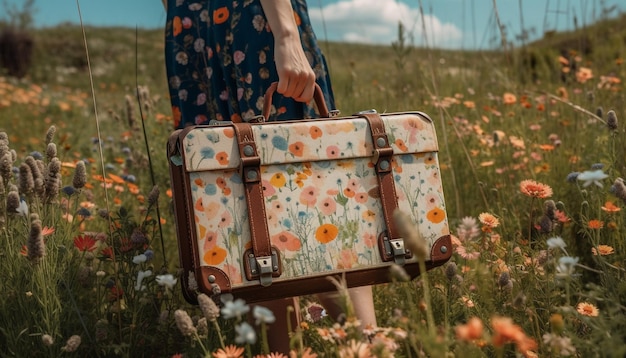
(488,220)
(509,98)
(231,351)
(584,74)
(609,207)
(587,309)
(85,243)
(315,132)
(326,233)
(220,15)
(177,25)
(471,331)
(401,145)
(215,256)
(603,250)
(436,215)
(297,149)
(115,178)
(505,331)
(222,158)
(595,224)
(534,189)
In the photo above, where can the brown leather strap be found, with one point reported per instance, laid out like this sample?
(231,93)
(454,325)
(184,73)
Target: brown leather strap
(382,157)
(318,97)
(250,170)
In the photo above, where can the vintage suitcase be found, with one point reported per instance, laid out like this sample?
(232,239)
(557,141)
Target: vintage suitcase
(270,210)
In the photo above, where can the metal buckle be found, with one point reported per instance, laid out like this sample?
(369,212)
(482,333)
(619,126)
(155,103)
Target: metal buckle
(394,249)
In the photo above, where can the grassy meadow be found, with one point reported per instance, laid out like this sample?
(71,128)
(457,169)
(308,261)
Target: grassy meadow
(532,153)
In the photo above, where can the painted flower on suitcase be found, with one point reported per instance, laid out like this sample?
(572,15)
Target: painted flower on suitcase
(320,190)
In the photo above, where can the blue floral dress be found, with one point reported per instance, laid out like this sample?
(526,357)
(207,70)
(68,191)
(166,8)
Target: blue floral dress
(219,57)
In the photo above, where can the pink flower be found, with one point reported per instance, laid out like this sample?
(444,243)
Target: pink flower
(328,206)
(238,57)
(309,195)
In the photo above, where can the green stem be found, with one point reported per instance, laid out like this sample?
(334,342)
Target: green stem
(219,333)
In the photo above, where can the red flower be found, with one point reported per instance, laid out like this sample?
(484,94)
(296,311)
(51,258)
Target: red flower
(115,293)
(85,243)
(107,253)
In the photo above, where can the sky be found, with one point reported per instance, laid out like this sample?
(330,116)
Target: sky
(452,24)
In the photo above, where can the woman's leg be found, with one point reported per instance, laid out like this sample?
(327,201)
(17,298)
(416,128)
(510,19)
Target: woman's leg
(362,300)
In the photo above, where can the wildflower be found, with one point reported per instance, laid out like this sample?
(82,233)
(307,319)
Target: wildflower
(184,323)
(509,98)
(471,331)
(535,190)
(597,166)
(208,307)
(488,220)
(595,224)
(450,270)
(167,280)
(306,354)
(355,349)
(236,308)
(566,266)
(139,259)
(72,344)
(230,351)
(153,197)
(80,175)
(26,180)
(504,279)
(571,177)
(47,340)
(556,322)
(560,346)
(592,177)
(263,315)
(140,276)
(618,189)
(546,225)
(556,243)
(602,250)
(587,309)
(314,312)
(468,229)
(36,246)
(611,120)
(85,243)
(22,209)
(465,254)
(245,334)
(50,134)
(13,201)
(51,151)
(505,331)
(609,207)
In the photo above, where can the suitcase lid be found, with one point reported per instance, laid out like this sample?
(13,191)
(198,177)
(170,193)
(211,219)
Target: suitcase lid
(215,148)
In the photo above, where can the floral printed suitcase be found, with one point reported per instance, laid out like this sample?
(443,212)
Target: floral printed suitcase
(270,210)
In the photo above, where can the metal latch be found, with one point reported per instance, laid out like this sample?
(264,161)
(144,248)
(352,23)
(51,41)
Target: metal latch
(264,267)
(393,249)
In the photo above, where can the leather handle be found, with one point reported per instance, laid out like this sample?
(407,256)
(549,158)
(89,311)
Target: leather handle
(318,97)
(383,154)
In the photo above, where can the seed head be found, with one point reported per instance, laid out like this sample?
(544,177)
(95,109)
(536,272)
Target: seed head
(184,323)
(26,181)
(35,244)
(51,151)
(412,237)
(398,273)
(13,202)
(451,271)
(47,340)
(50,134)
(208,307)
(80,175)
(72,344)
(153,197)
(611,120)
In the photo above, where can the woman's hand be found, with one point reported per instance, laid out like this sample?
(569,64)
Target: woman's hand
(296,78)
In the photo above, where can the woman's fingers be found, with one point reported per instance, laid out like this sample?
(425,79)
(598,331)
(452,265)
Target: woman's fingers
(299,85)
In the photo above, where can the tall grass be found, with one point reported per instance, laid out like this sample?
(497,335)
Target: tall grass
(532,152)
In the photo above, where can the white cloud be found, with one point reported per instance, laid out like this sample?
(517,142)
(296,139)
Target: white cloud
(376,21)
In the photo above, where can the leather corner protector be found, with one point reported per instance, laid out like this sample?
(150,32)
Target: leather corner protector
(212,281)
(442,249)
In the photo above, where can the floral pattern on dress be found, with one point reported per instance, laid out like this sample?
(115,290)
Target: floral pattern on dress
(320,190)
(219,61)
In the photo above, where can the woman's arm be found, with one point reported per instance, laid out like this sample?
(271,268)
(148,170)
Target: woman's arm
(296,78)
